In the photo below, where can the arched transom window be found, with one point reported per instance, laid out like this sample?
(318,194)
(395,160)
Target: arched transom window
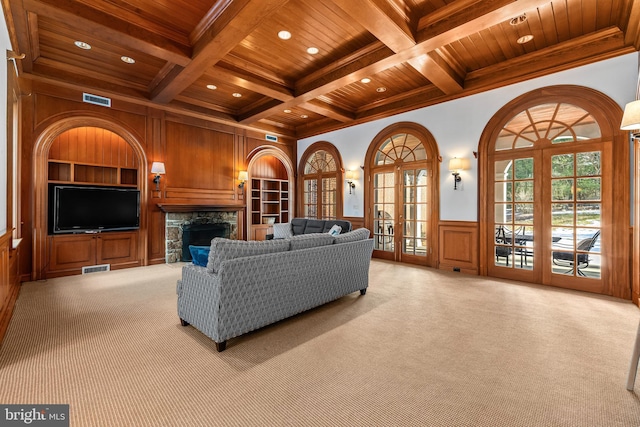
(403,147)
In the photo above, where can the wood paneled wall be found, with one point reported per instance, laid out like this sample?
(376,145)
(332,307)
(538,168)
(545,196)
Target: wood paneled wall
(269,167)
(202,158)
(458,246)
(93,145)
(9,281)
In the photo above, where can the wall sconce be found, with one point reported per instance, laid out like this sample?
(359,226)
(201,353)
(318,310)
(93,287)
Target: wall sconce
(631,117)
(455,166)
(243,176)
(350,176)
(158,169)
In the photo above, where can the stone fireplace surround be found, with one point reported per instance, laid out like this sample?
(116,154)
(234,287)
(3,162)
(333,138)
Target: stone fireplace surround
(177,217)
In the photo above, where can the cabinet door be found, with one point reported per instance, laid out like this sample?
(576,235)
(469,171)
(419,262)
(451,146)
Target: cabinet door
(260,231)
(71,251)
(117,248)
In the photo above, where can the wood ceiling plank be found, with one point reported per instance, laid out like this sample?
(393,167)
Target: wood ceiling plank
(111,29)
(238,20)
(18,28)
(381,20)
(547,21)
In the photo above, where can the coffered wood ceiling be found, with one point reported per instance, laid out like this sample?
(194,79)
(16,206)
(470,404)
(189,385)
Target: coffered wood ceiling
(422,52)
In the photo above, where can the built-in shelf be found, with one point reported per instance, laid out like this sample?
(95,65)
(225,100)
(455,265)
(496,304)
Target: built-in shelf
(269,199)
(87,173)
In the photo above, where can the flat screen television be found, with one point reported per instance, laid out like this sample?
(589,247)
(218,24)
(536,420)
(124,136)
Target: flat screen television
(85,209)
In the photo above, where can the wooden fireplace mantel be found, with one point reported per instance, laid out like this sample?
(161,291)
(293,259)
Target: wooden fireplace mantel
(181,207)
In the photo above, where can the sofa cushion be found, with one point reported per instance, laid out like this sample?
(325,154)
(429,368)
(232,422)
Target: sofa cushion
(282,230)
(352,236)
(224,249)
(199,254)
(304,241)
(297,225)
(315,226)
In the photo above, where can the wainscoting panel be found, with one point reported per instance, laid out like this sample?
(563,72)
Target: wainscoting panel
(458,249)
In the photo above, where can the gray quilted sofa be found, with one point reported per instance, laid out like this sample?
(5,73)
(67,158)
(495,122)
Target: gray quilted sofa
(250,284)
(307,226)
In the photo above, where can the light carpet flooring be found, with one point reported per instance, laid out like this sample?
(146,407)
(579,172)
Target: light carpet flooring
(421,348)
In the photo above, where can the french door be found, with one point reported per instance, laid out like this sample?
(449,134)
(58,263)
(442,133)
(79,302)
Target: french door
(549,213)
(401,213)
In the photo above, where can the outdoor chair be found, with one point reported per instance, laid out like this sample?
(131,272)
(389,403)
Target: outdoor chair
(576,261)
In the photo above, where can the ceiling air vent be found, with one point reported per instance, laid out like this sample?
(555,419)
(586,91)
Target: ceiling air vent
(271,138)
(97,100)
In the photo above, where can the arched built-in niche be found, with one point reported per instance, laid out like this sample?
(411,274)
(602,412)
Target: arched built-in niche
(41,176)
(281,170)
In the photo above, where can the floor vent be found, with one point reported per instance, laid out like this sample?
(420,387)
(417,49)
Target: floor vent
(96,268)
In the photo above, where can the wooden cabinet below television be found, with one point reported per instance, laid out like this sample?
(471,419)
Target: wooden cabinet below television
(69,253)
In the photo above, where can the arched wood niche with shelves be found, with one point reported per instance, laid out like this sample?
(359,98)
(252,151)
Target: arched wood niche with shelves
(270,193)
(97,157)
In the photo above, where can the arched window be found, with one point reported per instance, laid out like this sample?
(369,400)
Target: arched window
(550,189)
(320,176)
(402,204)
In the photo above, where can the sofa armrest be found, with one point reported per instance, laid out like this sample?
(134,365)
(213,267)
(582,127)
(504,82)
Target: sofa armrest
(199,299)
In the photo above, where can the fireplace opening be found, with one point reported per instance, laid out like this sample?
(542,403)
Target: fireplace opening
(201,235)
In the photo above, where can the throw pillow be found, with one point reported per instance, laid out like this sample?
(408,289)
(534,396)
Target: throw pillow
(335,230)
(199,254)
(282,230)
(352,236)
(305,241)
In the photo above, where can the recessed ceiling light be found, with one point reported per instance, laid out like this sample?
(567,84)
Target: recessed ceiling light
(128,60)
(237,95)
(304,116)
(284,35)
(212,87)
(287,111)
(525,39)
(313,50)
(82,45)
(365,80)
(518,19)
(381,89)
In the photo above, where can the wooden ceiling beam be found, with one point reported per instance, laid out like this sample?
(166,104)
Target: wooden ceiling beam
(327,110)
(381,20)
(632,35)
(227,30)
(440,33)
(251,82)
(438,72)
(111,29)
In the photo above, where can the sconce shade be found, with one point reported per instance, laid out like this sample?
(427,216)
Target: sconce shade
(158,168)
(631,116)
(243,176)
(349,175)
(455,164)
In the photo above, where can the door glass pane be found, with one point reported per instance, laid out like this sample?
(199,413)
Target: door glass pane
(562,189)
(514,221)
(384,208)
(588,188)
(562,165)
(576,247)
(414,212)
